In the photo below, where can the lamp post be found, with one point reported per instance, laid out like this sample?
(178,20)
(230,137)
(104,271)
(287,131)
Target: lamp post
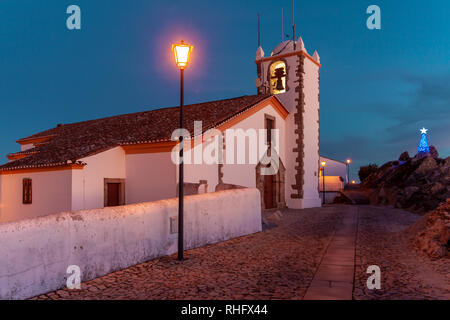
(348,170)
(181,52)
(323,164)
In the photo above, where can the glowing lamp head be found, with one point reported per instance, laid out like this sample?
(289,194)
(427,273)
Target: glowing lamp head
(182,51)
(349,161)
(323,164)
(353,182)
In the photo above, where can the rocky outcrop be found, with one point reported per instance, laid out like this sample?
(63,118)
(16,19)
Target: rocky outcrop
(433,152)
(416,184)
(404,156)
(432,232)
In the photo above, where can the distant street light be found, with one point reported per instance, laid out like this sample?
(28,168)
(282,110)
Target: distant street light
(323,164)
(348,170)
(181,52)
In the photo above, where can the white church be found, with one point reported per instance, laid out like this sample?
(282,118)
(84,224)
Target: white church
(127,158)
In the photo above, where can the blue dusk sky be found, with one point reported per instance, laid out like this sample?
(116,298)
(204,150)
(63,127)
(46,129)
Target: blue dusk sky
(378,87)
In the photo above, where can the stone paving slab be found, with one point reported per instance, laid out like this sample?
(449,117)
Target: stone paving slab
(331,284)
(335,273)
(342,241)
(334,259)
(334,277)
(326,290)
(344,252)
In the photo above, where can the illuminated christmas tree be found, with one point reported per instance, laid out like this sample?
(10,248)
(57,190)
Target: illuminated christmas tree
(423,145)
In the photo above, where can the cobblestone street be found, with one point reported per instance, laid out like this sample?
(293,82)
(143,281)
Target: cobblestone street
(281,263)
(383,240)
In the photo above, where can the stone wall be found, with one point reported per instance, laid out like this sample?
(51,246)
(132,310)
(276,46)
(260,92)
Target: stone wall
(35,253)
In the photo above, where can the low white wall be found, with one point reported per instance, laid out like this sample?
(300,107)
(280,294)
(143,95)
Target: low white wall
(35,253)
(332,183)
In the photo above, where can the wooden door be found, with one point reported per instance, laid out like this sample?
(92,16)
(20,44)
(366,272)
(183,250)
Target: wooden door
(113,194)
(268,192)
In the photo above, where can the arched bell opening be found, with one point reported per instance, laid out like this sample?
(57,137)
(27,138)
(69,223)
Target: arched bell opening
(277,77)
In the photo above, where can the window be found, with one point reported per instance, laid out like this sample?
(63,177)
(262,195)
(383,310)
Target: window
(270,125)
(27,193)
(114,193)
(277,77)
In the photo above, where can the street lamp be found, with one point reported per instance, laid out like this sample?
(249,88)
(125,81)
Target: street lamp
(181,52)
(323,164)
(348,170)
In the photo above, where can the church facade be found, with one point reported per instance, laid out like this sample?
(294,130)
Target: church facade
(129,158)
(293,76)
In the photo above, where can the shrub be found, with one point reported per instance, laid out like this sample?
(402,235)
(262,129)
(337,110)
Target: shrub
(366,171)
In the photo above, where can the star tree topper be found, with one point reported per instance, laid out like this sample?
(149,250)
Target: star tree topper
(423,145)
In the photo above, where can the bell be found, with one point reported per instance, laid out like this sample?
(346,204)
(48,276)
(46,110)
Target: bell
(279,74)
(280,85)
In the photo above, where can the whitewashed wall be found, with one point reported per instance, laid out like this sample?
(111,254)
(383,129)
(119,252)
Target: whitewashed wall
(51,194)
(245,174)
(239,174)
(332,184)
(35,253)
(88,184)
(310,132)
(150,177)
(25,147)
(335,168)
(311,135)
(193,173)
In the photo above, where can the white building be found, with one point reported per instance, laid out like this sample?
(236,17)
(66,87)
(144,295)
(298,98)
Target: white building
(127,158)
(335,178)
(335,168)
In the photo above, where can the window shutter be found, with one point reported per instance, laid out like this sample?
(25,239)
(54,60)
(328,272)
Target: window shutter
(27,191)
(24,191)
(30,191)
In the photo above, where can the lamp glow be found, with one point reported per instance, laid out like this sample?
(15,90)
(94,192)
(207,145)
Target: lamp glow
(349,161)
(182,52)
(323,163)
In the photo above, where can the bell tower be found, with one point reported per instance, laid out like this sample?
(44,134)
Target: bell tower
(293,76)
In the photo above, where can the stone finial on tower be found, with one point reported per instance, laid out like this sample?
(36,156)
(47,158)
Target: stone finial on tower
(301,45)
(316,56)
(259,53)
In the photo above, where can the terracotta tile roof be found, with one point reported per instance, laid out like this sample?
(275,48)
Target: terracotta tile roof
(71,142)
(26,152)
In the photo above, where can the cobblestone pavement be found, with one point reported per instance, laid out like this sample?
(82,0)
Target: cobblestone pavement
(278,263)
(383,240)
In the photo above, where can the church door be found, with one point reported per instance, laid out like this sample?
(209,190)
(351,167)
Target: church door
(268,192)
(113,194)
